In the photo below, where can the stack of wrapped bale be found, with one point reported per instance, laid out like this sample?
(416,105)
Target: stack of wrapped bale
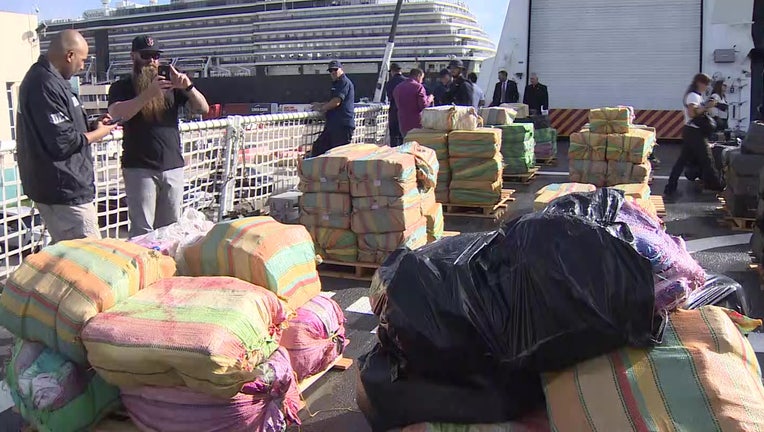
(518,147)
(497,116)
(438,142)
(387,206)
(325,206)
(46,303)
(476,167)
(639,194)
(741,173)
(450,117)
(545,143)
(611,150)
(211,360)
(548,193)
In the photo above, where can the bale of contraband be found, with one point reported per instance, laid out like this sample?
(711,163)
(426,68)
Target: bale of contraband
(519,165)
(335,244)
(205,333)
(51,296)
(433,213)
(474,193)
(627,172)
(268,403)
(634,146)
(479,143)
(315,336)
(278,257)
(381,214)
(635,190)
(516,133)
(610,120)
(324,209)
(433,139)
(328,172)
(375,248)
(476,168)
(587,145)
(555,190)
(588,171)
(521,109)
(450,117)
(387,172)
(703,375)
(54,394)
(497,116)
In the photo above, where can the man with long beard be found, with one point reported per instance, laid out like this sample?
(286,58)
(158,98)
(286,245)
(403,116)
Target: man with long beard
(152,162)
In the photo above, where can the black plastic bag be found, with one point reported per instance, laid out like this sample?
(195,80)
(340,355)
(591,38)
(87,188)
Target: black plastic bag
(388,404)
(542,293)
(719,290)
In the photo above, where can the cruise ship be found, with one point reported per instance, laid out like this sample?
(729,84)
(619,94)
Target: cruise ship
(275,50)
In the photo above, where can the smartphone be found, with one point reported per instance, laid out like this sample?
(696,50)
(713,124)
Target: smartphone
(164,70)
(118,121)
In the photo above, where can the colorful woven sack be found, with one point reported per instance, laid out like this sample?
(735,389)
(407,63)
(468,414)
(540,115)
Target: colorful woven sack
(205,333)
(335,244)
(386,172)
(497,116)
(51,296)
(634,146)
(479,143)
(475,193)
(476,168)
(54,394)
(278,257)
(703,377)
(315,337)
(588,171)
(433,213)
(519,165)
(534,422)
(386,214)
(324,209)
(548,193)
(435,140)
(375,248)
(426,162)
(328,172)
(610,120)
(450,117)
(586,145)
(268,403)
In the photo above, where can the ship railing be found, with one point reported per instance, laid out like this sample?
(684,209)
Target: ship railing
(233,166)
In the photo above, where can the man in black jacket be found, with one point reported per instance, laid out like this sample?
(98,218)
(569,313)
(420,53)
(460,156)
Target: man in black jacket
(505,90)
(396,77)
(460,91)
(536,95)
(53,145)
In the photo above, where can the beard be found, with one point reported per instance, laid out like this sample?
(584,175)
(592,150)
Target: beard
(156,107)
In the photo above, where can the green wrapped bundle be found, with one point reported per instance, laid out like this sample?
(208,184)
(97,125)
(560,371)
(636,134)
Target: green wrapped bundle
(518,150)
(587,145)
(588,171)
(375,248)
(627,172)
(479,143)
(545,135)
(335,244)
(476,169)
(610,120)
(382,214)
(432,139)
(477,193)
(517,132)
(634,146)
(519,165)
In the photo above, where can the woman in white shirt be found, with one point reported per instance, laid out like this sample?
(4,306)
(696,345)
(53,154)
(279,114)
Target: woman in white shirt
(695,149)
(720,112)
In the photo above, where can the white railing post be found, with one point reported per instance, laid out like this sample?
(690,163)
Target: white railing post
(230,151)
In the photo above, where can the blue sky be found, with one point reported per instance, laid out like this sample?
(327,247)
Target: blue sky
(490,13)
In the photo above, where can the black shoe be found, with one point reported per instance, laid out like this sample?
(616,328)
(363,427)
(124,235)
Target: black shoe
(669,191)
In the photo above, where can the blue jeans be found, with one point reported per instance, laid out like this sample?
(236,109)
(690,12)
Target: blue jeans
(154,198)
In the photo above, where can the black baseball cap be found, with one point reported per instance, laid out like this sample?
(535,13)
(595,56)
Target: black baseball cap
(334,64)
(455,64)
(445,72)
(395,67)
(145,43)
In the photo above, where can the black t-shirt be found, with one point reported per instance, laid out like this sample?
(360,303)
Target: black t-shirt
(150,143)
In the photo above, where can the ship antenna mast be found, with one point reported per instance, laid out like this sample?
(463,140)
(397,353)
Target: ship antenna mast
(388,54)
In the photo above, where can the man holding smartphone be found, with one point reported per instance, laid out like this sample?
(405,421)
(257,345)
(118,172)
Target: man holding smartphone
(147,103)
(53,144)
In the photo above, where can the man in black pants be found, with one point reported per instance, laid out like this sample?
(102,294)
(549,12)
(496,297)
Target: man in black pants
(396,77)
(339,111)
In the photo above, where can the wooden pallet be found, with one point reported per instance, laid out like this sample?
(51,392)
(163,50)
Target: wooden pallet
(547,161)
(735,222)
(347,270)
(524,178)
(488,212)
(340,363)
(660,206)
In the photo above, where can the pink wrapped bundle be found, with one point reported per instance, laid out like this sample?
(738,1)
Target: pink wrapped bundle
(268,404)
(315,337)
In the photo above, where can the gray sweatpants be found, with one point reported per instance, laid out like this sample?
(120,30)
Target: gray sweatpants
(69,222)
(154,198)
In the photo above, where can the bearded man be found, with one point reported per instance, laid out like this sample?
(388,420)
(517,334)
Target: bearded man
(152,162)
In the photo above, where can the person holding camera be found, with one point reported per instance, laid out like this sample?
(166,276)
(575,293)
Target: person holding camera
(53,144)
(147,102)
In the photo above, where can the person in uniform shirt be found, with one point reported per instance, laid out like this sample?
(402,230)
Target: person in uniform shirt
(536,95)
(152,161)
(54,142)
(460,92)
(339,111)
(441,87)
(396,77)
(478,96)
(505,90)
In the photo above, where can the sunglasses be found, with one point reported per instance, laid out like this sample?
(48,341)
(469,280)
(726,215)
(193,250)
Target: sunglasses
(150,55)
(333,70)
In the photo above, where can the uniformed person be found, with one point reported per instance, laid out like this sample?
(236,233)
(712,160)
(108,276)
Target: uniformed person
(53,143)
(339,111)
(460,91)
